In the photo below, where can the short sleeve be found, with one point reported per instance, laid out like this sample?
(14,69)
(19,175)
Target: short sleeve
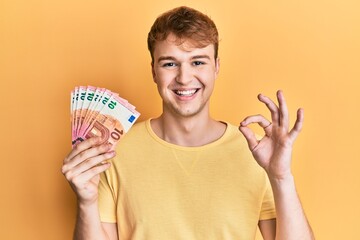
(107,205)
(268,204)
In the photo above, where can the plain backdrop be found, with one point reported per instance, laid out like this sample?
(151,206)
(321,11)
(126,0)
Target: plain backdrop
(309,49)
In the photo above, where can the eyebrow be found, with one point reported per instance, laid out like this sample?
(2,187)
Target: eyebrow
(164,58)
(201,56)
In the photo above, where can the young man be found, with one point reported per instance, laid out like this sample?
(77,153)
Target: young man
(185,175)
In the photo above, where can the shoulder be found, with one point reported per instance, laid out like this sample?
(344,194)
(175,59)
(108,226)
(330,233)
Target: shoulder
(139,126)
(232,134)
(233,143)
(135,137)
(236,145)
(136,129)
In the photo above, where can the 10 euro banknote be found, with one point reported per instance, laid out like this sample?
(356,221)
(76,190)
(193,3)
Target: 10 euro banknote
(100,112)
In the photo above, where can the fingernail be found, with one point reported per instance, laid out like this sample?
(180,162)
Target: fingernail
(105,163)
(112,154)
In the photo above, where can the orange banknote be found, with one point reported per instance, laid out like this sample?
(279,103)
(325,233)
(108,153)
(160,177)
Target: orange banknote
(100,112)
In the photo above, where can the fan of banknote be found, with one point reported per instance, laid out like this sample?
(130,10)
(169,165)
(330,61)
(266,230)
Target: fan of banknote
(100,112)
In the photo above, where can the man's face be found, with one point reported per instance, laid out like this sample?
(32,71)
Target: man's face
(185,76)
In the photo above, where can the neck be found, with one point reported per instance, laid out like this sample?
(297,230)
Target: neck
(188,131)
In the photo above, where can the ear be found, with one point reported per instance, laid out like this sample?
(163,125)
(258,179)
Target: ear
(153,72)
(217,66)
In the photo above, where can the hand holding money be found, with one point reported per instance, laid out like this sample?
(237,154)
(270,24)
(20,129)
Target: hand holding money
(99,120)
(82,167)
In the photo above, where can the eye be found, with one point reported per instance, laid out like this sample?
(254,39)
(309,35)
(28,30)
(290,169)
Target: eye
(169,64)
(198,63)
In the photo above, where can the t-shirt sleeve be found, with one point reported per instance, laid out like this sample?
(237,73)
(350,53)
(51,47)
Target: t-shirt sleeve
(107,206)
(268,204)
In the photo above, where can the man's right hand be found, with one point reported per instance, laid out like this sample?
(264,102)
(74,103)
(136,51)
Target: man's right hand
(82,168)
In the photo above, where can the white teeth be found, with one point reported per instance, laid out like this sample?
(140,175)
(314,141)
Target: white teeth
(185,92)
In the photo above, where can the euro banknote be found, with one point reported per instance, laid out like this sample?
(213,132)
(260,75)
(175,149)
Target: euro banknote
(100,112)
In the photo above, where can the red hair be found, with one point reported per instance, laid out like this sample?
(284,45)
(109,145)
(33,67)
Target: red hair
(186,24)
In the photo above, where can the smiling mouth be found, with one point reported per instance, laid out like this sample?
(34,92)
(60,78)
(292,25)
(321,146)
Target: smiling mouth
(186,93)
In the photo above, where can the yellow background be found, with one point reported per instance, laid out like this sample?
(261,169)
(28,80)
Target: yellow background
(310,49)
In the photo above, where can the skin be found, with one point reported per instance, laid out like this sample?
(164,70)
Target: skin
(273,153)
(81,168)
(185,119)
(185,78)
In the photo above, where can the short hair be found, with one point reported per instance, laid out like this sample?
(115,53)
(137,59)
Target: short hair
(186,24)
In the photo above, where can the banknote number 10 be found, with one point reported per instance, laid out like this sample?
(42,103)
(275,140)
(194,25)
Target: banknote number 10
(117,134)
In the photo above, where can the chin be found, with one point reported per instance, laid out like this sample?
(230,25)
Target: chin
(186,113)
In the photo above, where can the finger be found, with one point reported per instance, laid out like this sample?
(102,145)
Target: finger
(298,125)
(249,136)
(284,113)
(89,164)
(272,107)
(89,174)
(88,143)
(84,155)
(259,119)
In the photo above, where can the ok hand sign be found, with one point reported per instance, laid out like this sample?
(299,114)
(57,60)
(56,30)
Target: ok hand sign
(273,151)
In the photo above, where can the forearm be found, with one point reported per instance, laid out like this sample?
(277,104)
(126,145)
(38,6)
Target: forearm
(88,225)
(291,222)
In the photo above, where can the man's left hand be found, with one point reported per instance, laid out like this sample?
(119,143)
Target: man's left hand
(273,151)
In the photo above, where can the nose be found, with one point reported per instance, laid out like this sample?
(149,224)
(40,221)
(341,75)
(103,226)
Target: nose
(184,75)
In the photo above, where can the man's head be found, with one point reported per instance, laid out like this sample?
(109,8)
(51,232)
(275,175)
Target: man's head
(186,24)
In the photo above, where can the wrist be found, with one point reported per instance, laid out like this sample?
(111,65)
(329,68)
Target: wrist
(281,179)
(279,173)
(86,204)
(283,187)
(87,211)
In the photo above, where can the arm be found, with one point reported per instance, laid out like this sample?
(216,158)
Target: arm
(82,168)
(268,229)
(88,225)
(273,153)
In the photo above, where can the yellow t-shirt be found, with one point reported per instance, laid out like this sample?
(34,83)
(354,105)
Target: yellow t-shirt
(155,190)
